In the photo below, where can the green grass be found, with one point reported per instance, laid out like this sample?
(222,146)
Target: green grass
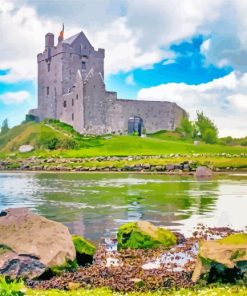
(130,145)
(216,291)
(161,143)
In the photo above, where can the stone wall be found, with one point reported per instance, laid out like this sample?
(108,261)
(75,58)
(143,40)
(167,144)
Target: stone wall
(156,115)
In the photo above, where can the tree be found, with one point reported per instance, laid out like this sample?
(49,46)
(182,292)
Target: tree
(209,136)
(206,128)
(187,128)
(5,126)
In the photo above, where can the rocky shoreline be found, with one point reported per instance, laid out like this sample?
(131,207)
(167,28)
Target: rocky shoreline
(140,270)
(172,163)
(142,257)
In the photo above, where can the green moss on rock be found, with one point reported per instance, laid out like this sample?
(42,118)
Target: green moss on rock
(235,239)
(82,246)
(67,266)
(226,253)
(144,235)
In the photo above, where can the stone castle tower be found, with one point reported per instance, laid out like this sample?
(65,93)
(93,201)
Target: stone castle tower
(71,88)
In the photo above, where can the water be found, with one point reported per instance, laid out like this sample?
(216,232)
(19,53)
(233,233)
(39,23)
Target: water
(94,205)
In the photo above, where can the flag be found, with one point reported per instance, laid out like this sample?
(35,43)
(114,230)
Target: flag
(61,35)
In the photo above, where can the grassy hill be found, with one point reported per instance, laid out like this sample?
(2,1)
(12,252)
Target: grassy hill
(62,140)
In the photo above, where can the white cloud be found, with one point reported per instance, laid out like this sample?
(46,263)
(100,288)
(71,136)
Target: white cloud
(130,80)
(19,97)
(224,100)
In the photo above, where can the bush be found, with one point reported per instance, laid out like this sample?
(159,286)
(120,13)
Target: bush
(67,144)
(209,136)
(206,128)
(187,128)
(50,143)
(10,287)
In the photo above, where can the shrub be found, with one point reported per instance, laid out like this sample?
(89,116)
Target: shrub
(68,144)
(187,128)
(50,143)
(209,136)
(10,287)
(206,128)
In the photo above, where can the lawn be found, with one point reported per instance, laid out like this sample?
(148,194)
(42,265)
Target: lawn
(161,143)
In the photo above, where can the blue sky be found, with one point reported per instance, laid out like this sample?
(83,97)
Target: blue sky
(192,52)
(189,67)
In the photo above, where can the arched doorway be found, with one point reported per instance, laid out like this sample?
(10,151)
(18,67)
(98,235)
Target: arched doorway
(135,125)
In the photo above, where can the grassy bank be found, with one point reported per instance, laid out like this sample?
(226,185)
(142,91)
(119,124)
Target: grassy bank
(209,291)
(57,140)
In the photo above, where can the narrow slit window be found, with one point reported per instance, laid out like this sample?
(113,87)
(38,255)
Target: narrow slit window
(64,104)
(83,65)
(47,90)
(77,97)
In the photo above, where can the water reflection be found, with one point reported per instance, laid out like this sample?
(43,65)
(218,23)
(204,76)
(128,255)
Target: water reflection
(94,205)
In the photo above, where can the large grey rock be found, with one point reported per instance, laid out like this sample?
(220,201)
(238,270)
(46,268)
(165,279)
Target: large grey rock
(36,237)
(26,148)
(203,173)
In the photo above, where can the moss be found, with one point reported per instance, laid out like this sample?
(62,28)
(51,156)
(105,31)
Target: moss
(238,254)
(4,249)
(67,266)
(239,239)
(133,235)
(83,246)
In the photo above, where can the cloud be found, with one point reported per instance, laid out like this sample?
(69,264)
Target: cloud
(224,100)
(130,80)
(19,97)
(135,33)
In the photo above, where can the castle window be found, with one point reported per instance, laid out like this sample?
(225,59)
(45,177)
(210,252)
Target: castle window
(49,67)
(64,104)
(83,65)
(47,90)
(72,116)
(72,102)
(77,97)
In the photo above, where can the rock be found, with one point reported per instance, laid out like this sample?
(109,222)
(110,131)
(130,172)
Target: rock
(28,234)
(14,265)
(203,173)
(170,167)
(26,148)
(112,262)
(144,235)
(229,252)
(84,250)
(73,286)
(151,266)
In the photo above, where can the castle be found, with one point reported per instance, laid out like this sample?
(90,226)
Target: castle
(71,88)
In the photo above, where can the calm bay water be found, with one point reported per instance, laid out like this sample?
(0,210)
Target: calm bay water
(94,205)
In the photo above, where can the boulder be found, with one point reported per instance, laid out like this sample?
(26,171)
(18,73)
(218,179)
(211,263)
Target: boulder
(203,173)
(84,250)
(28,234)
(144,235)
(14,265)
(229,252)
(26,148)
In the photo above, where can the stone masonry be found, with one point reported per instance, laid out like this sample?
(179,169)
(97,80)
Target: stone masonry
(71,88)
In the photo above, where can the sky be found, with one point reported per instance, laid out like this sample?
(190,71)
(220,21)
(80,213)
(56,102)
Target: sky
(192,52)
